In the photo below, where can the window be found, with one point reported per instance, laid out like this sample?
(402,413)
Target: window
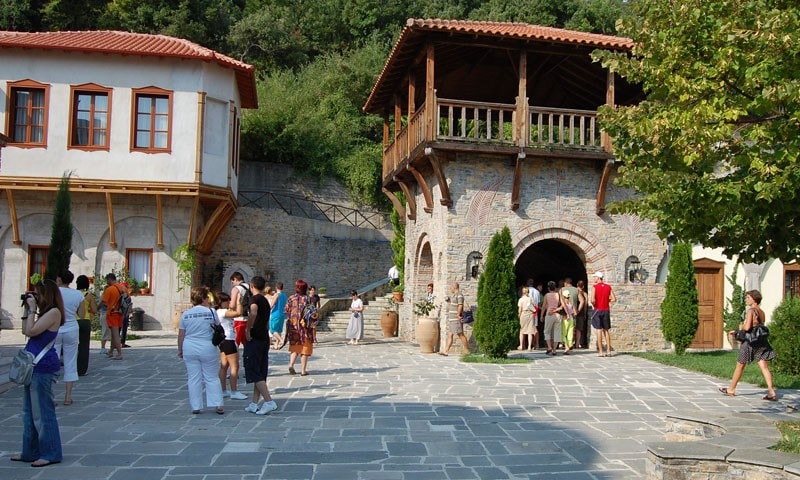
(91,110)
(791,280)
(37,261)
(27,113)
(152,118)
(138,261)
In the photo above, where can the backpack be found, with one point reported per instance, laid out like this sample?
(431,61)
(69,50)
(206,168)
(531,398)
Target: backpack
(124,305)
(309,315)
(244,297)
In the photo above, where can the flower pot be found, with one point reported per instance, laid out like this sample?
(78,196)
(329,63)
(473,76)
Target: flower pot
(427,334)
(398,296)
(144,291)
(389,323)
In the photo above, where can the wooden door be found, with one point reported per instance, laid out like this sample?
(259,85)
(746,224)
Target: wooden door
(709,275)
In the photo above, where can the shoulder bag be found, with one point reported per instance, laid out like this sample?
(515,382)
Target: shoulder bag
(219,333)
(21,371)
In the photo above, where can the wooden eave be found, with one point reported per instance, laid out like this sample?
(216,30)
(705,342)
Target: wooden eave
(221,200)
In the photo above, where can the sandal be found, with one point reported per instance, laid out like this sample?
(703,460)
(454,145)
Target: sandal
(292,371)
(42,463)
(725,391)
(67,403)
(770,398)
(220,411)
(18,458)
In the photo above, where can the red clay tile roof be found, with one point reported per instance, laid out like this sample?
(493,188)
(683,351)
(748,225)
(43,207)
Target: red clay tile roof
(505,30)
(127,43)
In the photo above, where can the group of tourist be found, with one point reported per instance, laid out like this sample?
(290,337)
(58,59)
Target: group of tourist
(254,317)
(562,314)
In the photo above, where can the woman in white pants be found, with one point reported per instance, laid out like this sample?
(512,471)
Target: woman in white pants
(67,340)
(199,355)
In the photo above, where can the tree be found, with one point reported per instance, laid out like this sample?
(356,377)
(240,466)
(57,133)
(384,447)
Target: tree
(60,249)
(784,329)
(399,240)
(496,324)
(679,309)
(714,148)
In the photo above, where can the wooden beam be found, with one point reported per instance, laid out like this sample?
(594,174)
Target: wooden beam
(159,223)
(412,92)
(440,176)
(112,236)
(605,138)
(195,209)
(214,226)
(600,208)
(398,117)
(515,185)
(423,185)
(385,132)
(521,128)
(398,205)
(430,93)
(12,209)
(411,204)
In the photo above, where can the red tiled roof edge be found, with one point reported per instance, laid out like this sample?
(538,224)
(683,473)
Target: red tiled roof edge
(129,43)
(501,29)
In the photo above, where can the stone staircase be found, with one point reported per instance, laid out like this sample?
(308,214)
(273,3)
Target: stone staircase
(335,321)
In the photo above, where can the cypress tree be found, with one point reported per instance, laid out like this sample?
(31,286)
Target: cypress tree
(679,309)
(496,325)
(399,241)
(60,249)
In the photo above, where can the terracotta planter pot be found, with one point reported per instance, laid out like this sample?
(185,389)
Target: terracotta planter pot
(389,323)
(427,334)
(398,296)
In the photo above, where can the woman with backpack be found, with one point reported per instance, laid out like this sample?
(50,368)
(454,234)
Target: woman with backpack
(299,330)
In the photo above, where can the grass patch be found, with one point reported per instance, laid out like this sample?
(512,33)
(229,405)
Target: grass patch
(719,364)
(790,443)
(480,358)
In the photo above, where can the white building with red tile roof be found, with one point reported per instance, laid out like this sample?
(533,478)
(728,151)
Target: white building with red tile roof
(148,127)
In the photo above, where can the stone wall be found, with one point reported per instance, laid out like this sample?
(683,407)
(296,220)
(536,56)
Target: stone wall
(557,202)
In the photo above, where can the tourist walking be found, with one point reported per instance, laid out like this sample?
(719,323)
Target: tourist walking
(256,349)
(301,336)
(85,323)
(111,303)
(601,298)
(552,321)
(277,317)
(228,350)
(760,351)
(526,311)
(455,326)
(355,329)
(41,439)
(199,355)
(67,339)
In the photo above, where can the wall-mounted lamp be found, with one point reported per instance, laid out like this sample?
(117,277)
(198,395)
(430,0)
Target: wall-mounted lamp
(475,264)
(636,274)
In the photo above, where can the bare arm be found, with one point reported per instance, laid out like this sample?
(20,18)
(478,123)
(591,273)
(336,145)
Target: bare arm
(49,321)
(612,298)
(181,336)
(581,300)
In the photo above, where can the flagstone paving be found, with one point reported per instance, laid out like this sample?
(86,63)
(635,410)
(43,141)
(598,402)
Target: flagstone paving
(378,411)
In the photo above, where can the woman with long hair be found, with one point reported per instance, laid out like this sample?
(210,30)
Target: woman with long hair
(301,336)
(41,440)
(67,340)
(761,351)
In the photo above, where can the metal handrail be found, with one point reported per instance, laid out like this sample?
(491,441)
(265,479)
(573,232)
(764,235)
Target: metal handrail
(314,209)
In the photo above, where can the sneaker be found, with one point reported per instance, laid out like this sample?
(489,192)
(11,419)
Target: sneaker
(237,395)
(267,407)
(252,408)
(226,393)
(103,350)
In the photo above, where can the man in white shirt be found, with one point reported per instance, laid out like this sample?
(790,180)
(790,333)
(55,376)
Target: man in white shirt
(394,275)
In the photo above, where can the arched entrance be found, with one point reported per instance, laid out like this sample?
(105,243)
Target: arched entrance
(549,259)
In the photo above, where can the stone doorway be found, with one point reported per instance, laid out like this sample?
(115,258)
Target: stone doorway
(548,260)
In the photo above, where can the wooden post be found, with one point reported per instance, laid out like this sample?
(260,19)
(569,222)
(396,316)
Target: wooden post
(521,128)
(398,118)
(605,138)
(412,92)
(430,94)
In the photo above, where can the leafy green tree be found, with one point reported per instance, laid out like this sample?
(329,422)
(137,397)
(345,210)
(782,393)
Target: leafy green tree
(269,39)
(496,326)
(71,14)
(784,330)
(20,15)
(714,148)
(679,309)
(60,249)
(399,241)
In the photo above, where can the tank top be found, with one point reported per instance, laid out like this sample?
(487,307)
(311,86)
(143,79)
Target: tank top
(602,294)
(49,363)
(87,315)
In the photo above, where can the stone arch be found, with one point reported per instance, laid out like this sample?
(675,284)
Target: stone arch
(247,272)
(132,232)
(593,254)
(423,267)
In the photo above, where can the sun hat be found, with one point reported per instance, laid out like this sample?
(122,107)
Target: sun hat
(565,293)
(598,274)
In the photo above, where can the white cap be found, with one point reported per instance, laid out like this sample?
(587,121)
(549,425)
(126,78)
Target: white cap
(598,274)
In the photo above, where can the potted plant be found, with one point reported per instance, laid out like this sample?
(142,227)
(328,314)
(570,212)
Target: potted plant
(133,286)
(322,292)
(427,331)
(144,288)
(397,293)
(389,318)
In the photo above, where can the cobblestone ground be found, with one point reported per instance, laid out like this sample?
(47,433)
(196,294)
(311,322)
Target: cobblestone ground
(380,410)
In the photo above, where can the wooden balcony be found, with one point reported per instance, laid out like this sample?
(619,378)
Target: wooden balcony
(494,128)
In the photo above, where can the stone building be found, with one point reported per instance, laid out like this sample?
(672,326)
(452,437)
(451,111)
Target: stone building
(494,124)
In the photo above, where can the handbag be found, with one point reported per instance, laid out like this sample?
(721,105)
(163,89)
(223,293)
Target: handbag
(21,371)
(757,334)
(219,333)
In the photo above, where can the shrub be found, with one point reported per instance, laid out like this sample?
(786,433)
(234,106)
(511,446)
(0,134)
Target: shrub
(679,309)
(784,330)
(734,311)
(496,326)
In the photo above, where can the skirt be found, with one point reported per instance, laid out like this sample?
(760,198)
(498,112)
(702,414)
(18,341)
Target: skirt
(355,329)
(526,325)
(754,353)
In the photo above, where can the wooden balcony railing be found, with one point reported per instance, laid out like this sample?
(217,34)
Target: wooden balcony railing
(495,124)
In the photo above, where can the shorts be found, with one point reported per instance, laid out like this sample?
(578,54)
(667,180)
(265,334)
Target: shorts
(240,327)
(455,327)
(228,347)
(114,320)
(256,360)
(105,332)
(601,319)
